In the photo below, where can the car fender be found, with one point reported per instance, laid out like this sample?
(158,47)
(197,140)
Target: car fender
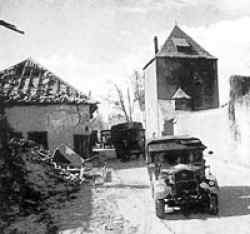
(161,190)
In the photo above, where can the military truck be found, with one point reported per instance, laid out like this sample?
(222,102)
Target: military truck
(179,176)
(128,139)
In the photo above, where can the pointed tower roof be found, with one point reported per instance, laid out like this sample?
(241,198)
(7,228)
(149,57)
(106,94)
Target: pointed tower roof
(180,45)
(180,94)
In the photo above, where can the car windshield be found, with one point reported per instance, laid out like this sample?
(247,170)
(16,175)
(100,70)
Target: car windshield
(172,158)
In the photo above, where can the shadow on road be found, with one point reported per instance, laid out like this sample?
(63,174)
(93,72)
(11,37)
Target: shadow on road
(76,214)
(233,201)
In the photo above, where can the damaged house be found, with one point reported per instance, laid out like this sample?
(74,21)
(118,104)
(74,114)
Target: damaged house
(42,107)
(182,77)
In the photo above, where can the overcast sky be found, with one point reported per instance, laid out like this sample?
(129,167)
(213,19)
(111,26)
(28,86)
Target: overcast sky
(92,42)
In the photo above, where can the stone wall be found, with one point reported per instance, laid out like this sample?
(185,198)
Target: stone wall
(60,121)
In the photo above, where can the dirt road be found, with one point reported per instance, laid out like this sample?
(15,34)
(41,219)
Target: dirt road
(136,205)
(125,205)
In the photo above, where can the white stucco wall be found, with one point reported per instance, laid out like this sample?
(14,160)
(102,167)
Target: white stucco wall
(60,121)
(242,122)
(151,102)
(214,128)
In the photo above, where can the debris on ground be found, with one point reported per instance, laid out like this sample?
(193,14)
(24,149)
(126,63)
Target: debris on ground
(31,183)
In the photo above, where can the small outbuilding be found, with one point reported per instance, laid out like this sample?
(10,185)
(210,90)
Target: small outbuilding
(42,107)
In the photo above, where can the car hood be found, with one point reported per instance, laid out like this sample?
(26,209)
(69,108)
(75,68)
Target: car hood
(181,167)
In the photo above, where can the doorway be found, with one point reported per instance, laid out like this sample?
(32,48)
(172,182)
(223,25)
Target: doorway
(81,145)
(168,127)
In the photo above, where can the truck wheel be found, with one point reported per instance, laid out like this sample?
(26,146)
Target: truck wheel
(186,210)
(213,204)
(160,208)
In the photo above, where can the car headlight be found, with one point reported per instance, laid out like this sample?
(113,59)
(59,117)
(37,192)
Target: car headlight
(211,183)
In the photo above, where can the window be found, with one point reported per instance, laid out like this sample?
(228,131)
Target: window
(182,45)
(180,42)
(186,50)
(40,138)
(15,135)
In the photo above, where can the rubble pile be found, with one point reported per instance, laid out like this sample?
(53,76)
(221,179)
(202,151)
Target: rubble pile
(29,184)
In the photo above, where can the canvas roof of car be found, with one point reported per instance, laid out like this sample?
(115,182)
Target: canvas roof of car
(173,143)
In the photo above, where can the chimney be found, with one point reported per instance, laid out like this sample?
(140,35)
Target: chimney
(156,44)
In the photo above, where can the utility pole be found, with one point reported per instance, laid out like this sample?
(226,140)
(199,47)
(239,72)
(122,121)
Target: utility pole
(3,118)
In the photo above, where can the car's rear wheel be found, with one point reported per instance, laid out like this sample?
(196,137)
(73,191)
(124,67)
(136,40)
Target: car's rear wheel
(185,210)
(160,208)
(213,204)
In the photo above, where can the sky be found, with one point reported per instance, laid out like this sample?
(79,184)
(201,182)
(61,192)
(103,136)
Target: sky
(94,43)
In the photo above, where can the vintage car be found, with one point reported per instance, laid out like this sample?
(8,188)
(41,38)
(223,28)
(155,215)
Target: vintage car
(179,177)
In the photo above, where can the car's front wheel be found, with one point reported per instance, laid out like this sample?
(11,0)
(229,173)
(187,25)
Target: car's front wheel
(160,208)
(213,204)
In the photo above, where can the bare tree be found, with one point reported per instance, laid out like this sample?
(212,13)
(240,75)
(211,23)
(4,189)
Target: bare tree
(130,105)
(122,102)
(126,99)
(137,81)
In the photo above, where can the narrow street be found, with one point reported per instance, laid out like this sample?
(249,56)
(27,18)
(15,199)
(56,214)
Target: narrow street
(234,215)
(125,205)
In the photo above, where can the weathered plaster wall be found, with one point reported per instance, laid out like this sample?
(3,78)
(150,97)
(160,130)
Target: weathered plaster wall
(228,140)
(241,128)
(212,126)
(198,78)
(151,106)
(60,121)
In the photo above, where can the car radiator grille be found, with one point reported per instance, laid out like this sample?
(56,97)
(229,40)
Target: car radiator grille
(185,187)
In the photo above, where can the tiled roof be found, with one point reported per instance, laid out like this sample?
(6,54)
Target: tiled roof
(179,37)
(30,83)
